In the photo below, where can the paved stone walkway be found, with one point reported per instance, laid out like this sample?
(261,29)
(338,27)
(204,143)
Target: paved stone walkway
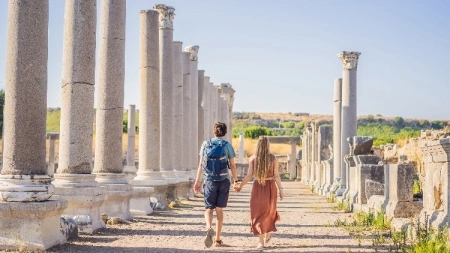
(305,226)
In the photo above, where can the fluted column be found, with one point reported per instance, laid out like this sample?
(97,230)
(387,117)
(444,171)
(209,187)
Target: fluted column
(206,108)
(149,173)
(74,180)
(25,185)
(201,113)
(187,126)
(130,169)
(337,158)
(179,130)
(349,107)
(166,16)
(228,93)
(211,91)
(241,147)
(193,50)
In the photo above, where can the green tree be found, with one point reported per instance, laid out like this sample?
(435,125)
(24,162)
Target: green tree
(254,132)
(399,121)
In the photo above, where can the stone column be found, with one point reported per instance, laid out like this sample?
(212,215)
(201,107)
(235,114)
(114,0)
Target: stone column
(166,15)
(74,181)
(130,169)
(25,185)
(241,147)
(349,115)
(178,148)
(52,137)
(337,158)
(211,92)
(293,159)
(149,177)
(206,109)
(194,106)
(187,153)
(108,164)
(201,113)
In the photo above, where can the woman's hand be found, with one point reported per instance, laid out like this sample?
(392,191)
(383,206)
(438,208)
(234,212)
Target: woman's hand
(237,187)
(281,193)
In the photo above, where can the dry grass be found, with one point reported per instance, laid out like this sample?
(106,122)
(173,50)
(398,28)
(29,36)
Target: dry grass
(250,145)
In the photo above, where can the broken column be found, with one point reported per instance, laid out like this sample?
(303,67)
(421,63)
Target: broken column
(74,180)
(241,147)
(365,166)
(337,157)
(349,108)
(130,169)
(206,108)
(52,137)
(108,165)
(29,221)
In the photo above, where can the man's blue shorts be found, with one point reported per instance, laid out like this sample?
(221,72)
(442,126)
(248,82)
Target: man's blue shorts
(216,193)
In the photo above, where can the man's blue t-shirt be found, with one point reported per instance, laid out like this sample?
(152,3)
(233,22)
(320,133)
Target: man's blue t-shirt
(228,149)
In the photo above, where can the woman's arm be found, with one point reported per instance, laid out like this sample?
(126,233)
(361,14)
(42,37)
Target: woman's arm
(276,175)
(247,178)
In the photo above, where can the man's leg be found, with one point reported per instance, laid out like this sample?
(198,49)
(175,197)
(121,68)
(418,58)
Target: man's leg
(209,213)
(219,223)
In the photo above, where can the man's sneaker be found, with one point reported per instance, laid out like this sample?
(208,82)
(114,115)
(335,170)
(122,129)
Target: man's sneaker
(209,237)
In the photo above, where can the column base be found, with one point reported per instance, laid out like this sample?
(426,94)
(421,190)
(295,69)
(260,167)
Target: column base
(25,188)
(181,174)
(341,190)
(149,178)
(31,226)
(118,192)
(170,176)
(85,197)
(130,172)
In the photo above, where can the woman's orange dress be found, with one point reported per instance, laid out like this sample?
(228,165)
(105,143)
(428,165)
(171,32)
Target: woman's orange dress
(263,203)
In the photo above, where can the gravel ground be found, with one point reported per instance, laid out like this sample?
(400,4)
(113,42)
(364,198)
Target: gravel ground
(305,226)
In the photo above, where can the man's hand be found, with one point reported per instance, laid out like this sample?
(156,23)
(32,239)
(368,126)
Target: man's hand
(237,186)
(196,187)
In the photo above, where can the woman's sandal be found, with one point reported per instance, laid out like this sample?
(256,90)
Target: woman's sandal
(218,243)
(260,246)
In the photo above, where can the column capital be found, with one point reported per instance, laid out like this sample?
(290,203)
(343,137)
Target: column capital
(166,16)
(349,59)
(193,50)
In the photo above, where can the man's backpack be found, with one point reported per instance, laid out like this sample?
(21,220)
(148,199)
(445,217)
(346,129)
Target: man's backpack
(215,160)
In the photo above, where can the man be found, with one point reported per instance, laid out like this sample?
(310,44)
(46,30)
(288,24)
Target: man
(217,184)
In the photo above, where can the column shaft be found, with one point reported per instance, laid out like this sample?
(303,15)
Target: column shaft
(178,105)
(187,126)
(337,158)
(201,113)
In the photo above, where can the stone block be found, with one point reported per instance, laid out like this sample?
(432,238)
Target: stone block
(365,172)
(366,159)
(31,226)
(374,188)
(401,182)
(360,145)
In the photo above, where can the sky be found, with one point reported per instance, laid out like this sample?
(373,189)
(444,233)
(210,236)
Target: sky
(281,56)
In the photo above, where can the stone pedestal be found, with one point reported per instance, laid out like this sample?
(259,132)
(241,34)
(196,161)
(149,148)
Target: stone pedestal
(52,137)
(31,226)
(118,195)
(401,204)
(85,197)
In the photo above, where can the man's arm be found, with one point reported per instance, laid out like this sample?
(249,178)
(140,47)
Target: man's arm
(233,169)
(199,176)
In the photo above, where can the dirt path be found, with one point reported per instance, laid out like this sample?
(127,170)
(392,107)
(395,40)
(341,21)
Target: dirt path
(305,226)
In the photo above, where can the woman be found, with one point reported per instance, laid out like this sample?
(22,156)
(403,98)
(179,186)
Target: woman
(263,201)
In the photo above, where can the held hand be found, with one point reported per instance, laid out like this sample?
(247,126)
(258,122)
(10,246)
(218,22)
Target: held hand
(237,187)
(196,187)
(281,194)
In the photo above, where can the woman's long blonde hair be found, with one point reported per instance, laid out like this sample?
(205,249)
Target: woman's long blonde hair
(262,160)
